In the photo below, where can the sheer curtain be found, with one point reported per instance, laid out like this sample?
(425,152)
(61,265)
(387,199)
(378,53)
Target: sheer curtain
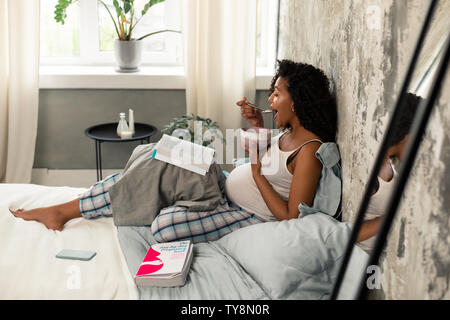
(219,57)
(19,88)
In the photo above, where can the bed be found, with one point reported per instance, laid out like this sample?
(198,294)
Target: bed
(28,267)
(246,264)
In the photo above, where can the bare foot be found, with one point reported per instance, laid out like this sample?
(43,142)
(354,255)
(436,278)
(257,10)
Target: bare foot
(51,217)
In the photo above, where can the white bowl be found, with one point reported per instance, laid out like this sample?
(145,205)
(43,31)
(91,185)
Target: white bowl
(254,136)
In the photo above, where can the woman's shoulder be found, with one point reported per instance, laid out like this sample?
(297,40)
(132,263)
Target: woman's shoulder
(306,157)
(307,154)
(311,146)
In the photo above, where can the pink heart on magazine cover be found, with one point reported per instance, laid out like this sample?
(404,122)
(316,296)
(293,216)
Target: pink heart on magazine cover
(151,263)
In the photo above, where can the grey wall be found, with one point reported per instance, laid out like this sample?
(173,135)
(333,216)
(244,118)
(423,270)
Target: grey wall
(65,114)
(366,66)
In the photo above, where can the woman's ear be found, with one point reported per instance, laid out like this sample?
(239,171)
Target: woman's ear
(396,151)
(402,146)
(292,107)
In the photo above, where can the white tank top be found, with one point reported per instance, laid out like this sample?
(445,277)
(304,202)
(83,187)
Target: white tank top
(241,187)
(377,206)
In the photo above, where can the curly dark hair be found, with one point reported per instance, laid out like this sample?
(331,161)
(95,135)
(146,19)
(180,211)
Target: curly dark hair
(314,104)
(407,111)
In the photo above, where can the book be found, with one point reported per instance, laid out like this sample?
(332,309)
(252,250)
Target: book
(184,154)
(165,264)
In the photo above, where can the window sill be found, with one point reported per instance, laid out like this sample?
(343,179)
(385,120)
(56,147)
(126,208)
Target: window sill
(105,77)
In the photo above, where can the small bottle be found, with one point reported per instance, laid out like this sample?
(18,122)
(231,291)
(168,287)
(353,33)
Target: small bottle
(123,126)
(131,121)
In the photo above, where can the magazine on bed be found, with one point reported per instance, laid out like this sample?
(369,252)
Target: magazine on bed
(165,265)
(184,154)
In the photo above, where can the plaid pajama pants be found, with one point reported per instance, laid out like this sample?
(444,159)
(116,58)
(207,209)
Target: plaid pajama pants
(173,223)
(96,202)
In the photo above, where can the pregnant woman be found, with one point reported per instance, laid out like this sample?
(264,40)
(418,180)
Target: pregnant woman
(270,189)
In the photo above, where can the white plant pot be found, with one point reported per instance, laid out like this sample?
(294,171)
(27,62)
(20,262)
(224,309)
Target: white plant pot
(128,55)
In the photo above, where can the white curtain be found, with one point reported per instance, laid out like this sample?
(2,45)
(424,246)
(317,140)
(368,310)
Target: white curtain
(19,88)
(219,57)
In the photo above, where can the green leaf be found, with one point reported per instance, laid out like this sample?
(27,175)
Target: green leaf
(149,5)
(186,122)
(60,10)
(127,5)
(156,32)
(118,8)
(112,18)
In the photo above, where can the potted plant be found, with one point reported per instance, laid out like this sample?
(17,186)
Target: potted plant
(187,123)
(128,50)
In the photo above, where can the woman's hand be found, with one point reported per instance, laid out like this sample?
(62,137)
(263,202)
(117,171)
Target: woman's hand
(303,187)
(254,161)
(250,114)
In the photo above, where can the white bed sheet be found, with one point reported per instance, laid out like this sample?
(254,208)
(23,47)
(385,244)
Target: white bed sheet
(28,267)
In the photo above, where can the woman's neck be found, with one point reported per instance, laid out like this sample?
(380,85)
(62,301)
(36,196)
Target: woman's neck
(299,133)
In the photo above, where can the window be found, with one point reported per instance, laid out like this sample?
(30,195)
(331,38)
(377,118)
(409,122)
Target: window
(266,35)
(87,37)
(59,40)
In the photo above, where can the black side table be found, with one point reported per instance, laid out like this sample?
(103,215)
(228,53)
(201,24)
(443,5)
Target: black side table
(107,132)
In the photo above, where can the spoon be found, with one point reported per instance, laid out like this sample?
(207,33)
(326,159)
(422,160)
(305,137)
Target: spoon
(250,104)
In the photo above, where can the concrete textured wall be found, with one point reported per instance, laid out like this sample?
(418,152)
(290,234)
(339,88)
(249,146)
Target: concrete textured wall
(365,47)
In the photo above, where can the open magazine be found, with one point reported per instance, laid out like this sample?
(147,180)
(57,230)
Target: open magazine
(184,154)
(165,265)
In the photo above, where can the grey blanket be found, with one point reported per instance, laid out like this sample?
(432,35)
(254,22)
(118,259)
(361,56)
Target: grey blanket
(149,185)
(290,259)
(213,274)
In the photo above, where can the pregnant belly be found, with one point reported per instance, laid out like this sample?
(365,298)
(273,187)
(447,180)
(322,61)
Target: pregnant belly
(242,190)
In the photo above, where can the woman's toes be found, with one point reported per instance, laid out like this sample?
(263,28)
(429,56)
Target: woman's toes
(14,212)
(55,227)
(24,214)
(19,214)
(50,217)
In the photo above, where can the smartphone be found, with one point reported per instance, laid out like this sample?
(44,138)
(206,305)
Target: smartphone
(76,254)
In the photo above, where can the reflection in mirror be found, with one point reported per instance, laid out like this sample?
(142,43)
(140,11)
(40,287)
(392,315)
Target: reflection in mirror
(416,92)
(388,173)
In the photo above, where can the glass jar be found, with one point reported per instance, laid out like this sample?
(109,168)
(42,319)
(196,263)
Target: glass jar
(122,126)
